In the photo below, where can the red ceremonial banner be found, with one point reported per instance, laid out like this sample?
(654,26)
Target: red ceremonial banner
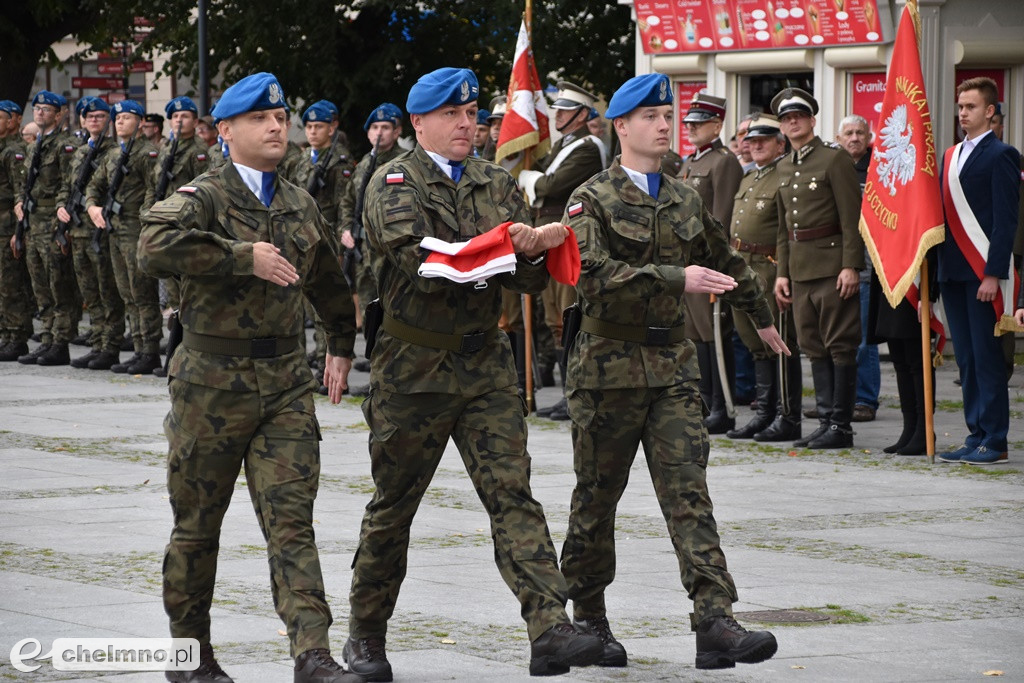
(901,214)
(525,124)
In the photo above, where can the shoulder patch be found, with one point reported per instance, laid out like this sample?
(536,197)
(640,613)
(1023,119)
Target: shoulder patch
(69,148)
(18,156)
(347,172)
(201,157)
(575,210)
(154,154)
(394,178)
(190,189)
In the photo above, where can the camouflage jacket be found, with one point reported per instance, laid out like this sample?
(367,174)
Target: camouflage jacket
(336,178)
(85,227)
(57,150)
(191,159)
(634,251)
(216,156)
(347,210)
(12,182)
(289,166)
(412,198)
(137,183)
(204,233)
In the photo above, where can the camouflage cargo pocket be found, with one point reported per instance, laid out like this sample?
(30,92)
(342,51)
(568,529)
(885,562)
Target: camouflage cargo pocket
(381,428)
(181,463)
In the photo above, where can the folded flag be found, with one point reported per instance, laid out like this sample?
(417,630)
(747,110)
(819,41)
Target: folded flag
(492,253)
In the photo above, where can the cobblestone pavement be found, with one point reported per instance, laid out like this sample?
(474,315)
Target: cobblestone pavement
(915,570)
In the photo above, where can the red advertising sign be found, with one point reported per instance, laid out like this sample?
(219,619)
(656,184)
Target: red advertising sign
(97,82)
(668,26)
(867,93)
(685,90)
(113,97)
(118,67)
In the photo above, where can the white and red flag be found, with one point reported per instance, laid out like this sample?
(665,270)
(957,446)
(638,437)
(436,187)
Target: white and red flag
(525,124)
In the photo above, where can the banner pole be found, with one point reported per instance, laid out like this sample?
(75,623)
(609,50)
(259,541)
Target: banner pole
(926,360)
(527,299)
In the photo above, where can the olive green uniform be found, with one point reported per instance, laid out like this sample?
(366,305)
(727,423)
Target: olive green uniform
(633,380)
(422,395)
(93,270)
(17,305)
(52,272)
(241,390)
(138,290)
(289,166)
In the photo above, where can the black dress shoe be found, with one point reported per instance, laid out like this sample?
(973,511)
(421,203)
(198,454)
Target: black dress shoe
(721,642)
(835,437)
(105,360)
(318,666)
(614,654)
(782,429)
(209,670)
(57,354)
(12,351)
(82,362)
(719,423)
(562,647)
(366,657)
(33,356)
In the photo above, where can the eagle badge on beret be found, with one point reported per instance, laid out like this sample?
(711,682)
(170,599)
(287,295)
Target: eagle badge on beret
(177,105)
(465,91)
(274,93)
(312,116)
(663,91)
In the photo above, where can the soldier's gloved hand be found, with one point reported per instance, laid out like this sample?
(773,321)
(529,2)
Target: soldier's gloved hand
(701,280)
(346,239)
(268,264)
(783,297)
(336,369)
(63,215)
(848,283)
(96,216)
(770,336)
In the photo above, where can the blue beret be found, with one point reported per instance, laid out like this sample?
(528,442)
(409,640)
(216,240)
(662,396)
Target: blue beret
(385,112)
(181,104)
(47,97)
(593,114)
(482,116)
(649,90)
(62,100)
(442,87)
(9,107)
(323,111)
(93,104)
(80,105)
(129,107)
(255,92)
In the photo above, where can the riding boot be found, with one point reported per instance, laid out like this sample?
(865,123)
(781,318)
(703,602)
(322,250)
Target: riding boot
(787,425)
(705,364)
(908,406)
(765,388)
(840,433)
(824,389)
(719,422)
(917,444)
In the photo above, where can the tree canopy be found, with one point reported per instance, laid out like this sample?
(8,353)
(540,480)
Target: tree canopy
(356,53)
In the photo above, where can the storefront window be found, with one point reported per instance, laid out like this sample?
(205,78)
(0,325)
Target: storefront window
(764,87)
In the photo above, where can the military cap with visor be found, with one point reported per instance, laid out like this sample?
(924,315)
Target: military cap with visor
(571,96)
(794,99)
(499,105)
(705,107)
(764,125)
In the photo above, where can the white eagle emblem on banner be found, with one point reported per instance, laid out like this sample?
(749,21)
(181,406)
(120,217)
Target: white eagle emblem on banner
(898,152)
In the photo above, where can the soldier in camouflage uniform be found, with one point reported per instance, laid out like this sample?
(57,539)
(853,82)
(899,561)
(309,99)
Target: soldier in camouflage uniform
(715,174)
(191,158)
(754,232)
(574,158)
(820,251)
(16,303)
(242,240)
(645,238)
(441,370)
(93,270)
(138,290)
(383,128)
(53,278)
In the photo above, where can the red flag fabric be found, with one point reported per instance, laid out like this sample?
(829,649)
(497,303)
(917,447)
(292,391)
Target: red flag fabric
(901,214)
(492,253)
(525,124)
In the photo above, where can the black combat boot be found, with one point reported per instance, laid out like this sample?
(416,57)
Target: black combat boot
(562,647)
(908,407)
(122,368)
(33,356)
(209,670)
(824,391)
(82,362)
(766,390)
(57,354)
(840,433)
(614,654)
(721,642)
(145,365)
(13,351)
(787,425)
(105,360)
(318,666)
(366,657)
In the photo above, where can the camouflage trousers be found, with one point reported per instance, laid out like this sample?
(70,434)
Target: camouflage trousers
(607,427)
(212,433)
(139,291)
(96,282)
(408,434)
(53,280)
(17,305)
